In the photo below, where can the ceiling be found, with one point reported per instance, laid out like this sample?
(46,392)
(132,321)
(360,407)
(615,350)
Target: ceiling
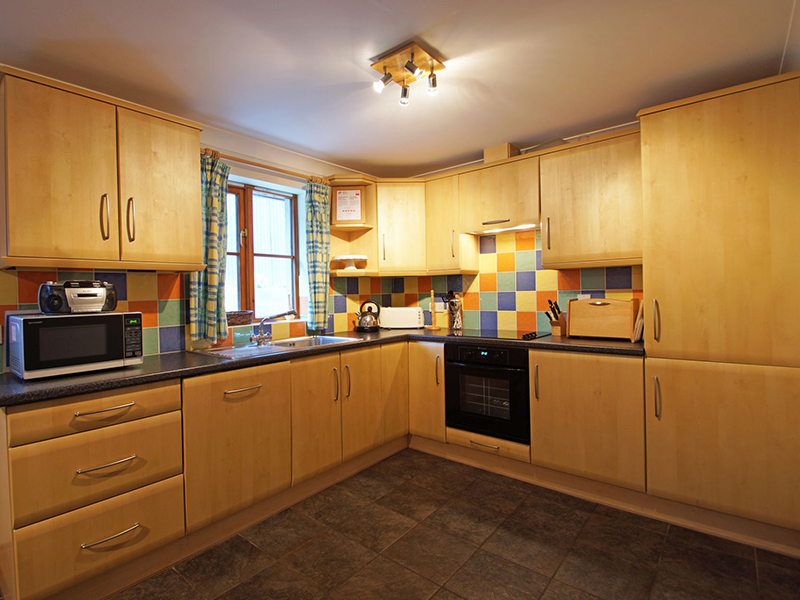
(297,73)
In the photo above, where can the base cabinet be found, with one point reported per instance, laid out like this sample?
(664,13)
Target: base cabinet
(394,390)
(426,390)
(362,413)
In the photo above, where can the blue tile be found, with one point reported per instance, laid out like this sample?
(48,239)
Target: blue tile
(267,328)
(595,293)
(426,315)
(398,285)
(170,339)
(120,281)
(488,321)
(386,299)
(539,266)
(352,285)
(454,283)
(340,304)
(619,278)
(506,301)
(329,328)
(488,244)
(526,281)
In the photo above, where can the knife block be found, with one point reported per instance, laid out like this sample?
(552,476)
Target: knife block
(558,328)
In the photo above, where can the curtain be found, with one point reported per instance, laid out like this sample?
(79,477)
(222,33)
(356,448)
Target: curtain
(318,246)
(207,320)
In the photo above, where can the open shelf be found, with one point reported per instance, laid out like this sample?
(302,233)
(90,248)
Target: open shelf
(353,227)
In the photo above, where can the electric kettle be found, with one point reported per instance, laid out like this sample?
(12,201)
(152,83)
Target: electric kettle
(367,321)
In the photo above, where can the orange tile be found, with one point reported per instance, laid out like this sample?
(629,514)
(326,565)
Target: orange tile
(472,301)
(363,298)
(526,240)
(542,298)
(569,279)
(412,300)
(425,284)
(375,285)
(351,321)
(228,341)
(505,262)
(4,308)
(488,282)
(297,328)
(526,321)
(149,310)
(170,286)
(28,283)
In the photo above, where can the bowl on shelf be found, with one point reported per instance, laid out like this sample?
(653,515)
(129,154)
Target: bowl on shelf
(351,261)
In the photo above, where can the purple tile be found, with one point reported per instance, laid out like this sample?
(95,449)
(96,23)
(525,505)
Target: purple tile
(257,328)
(426,315)
(329,328)
(352,285)
(595,293)
(454,283)
(539,266)
(488,244)
(398,285)
(120,281)
(526,281)
(340,303)
(506,301)
(386,299)
(619,278)
(171,339)
(488,320)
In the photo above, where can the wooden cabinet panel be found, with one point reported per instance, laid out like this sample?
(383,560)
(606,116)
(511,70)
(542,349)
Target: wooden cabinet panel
(316,416)
(401,227)
(237,440)
(49,553)
(426,390)
(61,167)
(502,196)
(159,186)
(55,476)
(394,390)
(725,437)
(447,249)
(488,444)
(721,187)
(587,418)
(592,204)
(362,411)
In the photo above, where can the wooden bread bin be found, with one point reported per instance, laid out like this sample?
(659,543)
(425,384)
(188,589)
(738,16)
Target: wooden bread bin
(599,317)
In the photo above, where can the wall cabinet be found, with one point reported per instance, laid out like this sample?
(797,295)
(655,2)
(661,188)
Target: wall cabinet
(448,250)
(592,204)
(237,440)
(721,187)
(586,416)
(394,390)
(362,410)
(426,390)
(724,437)
(401,227)
(501,196)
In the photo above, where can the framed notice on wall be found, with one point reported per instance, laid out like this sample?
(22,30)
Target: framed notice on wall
(348,206)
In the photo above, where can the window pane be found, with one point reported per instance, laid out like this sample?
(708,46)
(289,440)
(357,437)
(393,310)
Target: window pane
(233,222)
(272,224)
(274,285)
(232,300)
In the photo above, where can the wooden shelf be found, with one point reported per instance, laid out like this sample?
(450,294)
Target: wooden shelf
(85,264)
(353,273)
(353,227)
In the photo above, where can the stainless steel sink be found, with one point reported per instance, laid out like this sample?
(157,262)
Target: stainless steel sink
(248,351)
(313,340)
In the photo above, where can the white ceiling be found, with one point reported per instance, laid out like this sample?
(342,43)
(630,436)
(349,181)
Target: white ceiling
(296,73)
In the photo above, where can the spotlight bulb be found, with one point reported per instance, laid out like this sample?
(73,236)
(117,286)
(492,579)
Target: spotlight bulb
(404,96)
(433,87)
(414,69)
(382,82)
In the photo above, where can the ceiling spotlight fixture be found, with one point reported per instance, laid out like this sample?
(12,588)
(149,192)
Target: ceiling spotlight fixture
(433,87)
(382,82)
(404,95)
(414,69)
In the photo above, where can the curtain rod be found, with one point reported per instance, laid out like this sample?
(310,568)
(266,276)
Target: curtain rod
(216,154)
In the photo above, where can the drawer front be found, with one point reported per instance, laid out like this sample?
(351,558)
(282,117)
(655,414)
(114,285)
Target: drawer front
(490,445)
(54,418)
(49,554)
(44,476)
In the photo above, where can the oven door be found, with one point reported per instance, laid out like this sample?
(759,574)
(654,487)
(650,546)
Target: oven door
(490,400)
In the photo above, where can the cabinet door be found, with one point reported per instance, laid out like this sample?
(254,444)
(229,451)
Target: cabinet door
(401,227)
(159,185)
(61,166)
(426,390)
(441,224)
(592,204)
(362,413)
(237,442)
(316,416)
(394,390)
(586,416)
(724,437)
(503,196)
(721,188)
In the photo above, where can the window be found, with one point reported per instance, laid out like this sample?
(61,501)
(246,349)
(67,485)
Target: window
(262,261)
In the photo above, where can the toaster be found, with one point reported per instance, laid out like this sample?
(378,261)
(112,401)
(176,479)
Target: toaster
(410,317)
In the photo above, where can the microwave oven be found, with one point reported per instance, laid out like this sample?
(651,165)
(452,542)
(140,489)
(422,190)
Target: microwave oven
(47,345)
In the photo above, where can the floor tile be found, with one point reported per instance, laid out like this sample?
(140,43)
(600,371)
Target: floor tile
(166,585)
(384,579)
(444,594)
(780,560)
(506,481)
(465,520)
(329,560)
(443,481)
(375,526)
(777,583)
(539,549)
(486,576)
(276,582)
(371,484)
(462,469)
(409,462)
(561,591)
(331,506)
(681,535)
(222,567)
(540,514)
(607,577)
(413,501)
(430,552)
(710,569)
(632,519)
(544,494)
(493,496)
(669,586)
(622,540)
(283,532)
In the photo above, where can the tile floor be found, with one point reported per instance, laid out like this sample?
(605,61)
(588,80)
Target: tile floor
(415,527)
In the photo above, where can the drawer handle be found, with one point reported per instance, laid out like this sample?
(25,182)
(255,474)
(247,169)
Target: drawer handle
(104,410)
(495,222)
(111,537)
(599,303)
(484,445)
(258,386)
(111,464)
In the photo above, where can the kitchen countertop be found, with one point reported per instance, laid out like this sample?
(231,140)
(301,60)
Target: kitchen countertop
(176,365)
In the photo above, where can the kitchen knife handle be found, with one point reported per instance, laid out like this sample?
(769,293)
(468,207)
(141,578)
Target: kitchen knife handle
(105,233)
(336,388)
(536,381)
(436,368)
(547,232)
(657,397)
(453,243)
(656,321)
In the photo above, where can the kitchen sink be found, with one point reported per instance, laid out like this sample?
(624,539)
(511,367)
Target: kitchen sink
(252,350)
(313,340)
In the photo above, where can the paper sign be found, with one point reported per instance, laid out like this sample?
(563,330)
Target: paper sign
(348,205)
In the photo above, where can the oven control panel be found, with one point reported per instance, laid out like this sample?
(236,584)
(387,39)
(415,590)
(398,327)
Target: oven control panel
(489,356)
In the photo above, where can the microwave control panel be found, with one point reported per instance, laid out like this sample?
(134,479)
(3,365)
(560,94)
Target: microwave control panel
(133,335)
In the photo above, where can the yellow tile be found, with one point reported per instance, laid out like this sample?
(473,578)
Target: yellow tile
(340,322)
(546,281)
(411,284)
(363,285)
(398,300)
(506,242)
(471,283)
(507,320)
(526,301)
(122,306)
(280,331)
(8,287)
(352,304)
(441,319)
(488,263)
(619,295)
(636,276)
(142,286)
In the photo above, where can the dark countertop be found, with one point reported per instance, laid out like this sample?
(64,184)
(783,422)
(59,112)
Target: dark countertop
(14,391)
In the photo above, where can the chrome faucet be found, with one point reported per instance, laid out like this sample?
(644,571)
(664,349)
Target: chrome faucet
(263,338)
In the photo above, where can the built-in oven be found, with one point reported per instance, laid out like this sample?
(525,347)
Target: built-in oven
(487,390)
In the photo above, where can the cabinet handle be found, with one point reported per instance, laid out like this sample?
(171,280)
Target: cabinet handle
(384,246)
(495,222)
(547,232)
(599,303)
(536,381)
(258,386)
(106,466)
(111,537)
(131,222)
(656,321)
(436,368)
(104,410)
(453,242)
(336,389)
(657,397)
(105,232)
(484,445)
(349,381)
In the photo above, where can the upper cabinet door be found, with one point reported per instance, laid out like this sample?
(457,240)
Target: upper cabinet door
(592,204)
(61,173)
(159,183)
(721,208)
(497,197)
(401,227)
(441,224)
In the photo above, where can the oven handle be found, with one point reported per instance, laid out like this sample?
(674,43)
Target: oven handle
(487,367)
